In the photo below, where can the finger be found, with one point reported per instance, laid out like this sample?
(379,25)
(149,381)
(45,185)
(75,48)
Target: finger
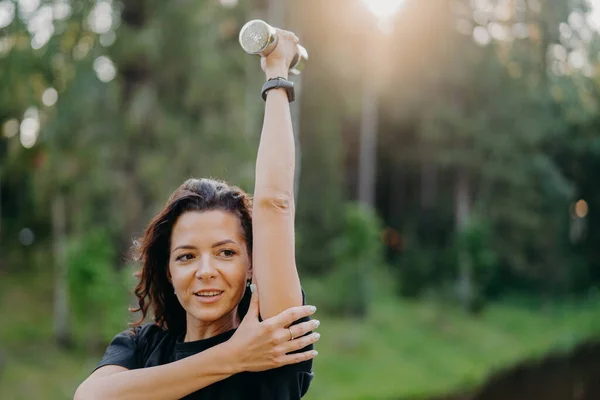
(301,342)
(291,315)
(303,328)
(283,335)
(287,34)
(298,357)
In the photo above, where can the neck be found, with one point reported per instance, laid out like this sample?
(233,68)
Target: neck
(199,330)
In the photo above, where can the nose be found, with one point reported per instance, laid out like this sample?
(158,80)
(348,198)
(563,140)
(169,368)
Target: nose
(206,270)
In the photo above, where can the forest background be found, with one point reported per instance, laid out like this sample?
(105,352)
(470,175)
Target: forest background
(447,154)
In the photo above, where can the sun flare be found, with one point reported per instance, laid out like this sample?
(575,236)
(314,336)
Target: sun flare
(383,8)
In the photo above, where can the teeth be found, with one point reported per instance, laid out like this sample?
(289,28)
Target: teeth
(208,294)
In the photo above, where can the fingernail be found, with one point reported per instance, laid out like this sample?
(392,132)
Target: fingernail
(315,353)
(317,335)
(316,323)
(252,287)
(312,309)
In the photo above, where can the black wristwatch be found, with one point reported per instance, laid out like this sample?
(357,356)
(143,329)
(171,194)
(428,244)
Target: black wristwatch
(276,83)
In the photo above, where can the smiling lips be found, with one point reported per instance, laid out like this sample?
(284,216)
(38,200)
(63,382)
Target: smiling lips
(208,295)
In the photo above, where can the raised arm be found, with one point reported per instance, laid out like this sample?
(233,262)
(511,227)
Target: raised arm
(274,265)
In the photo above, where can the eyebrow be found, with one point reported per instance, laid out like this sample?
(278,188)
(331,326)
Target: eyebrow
(184,247)
(191,247)
(222,242)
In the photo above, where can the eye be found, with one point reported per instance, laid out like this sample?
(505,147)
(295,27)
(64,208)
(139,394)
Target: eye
(184,257)
(227,253)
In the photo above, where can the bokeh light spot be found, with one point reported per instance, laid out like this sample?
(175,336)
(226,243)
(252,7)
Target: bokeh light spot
(11,128)
(229,3)
(100,18)
(581,208)
(26,237)
(61,9)
(30,128)
(105,69)
(50,97)
(7,13)
(481,35)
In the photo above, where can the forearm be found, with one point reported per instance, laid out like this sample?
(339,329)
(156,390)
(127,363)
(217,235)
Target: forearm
(170,381)
(276,155)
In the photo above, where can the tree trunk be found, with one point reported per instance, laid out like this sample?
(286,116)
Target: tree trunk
(367,165)
(428,183)
(62,332)
(397,199)
(462,209)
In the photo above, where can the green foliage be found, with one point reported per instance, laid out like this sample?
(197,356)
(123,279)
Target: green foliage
(347,287)
(422,269)
(477,240)
(428,270)
(184,103)
(361,240)
(97,290)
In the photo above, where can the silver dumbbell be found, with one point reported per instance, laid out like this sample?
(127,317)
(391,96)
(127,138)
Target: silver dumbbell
(258,37)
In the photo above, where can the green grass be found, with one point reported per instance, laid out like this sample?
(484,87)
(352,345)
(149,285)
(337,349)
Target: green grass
(410,349)
(404,349)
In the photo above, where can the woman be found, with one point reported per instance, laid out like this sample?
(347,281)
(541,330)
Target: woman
(199,256)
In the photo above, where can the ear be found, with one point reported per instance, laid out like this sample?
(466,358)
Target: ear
(169,278)
(249,273)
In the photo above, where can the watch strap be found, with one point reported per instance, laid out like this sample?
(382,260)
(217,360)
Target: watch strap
(276,83)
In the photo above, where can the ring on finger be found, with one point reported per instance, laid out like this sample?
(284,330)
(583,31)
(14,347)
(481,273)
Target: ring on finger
(291,334)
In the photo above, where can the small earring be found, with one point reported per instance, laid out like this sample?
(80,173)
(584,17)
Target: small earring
(248,283)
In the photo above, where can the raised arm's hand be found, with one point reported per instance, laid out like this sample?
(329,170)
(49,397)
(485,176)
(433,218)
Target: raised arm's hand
(277,63)
(258,346)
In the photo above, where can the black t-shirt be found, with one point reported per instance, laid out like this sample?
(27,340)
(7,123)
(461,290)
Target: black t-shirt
(152,346)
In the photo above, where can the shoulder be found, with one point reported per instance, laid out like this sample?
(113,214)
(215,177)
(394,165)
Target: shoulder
(148,338)
(148,332)
(145,333)
(130,347)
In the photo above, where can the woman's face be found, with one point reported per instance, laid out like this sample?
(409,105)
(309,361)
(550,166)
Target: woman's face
(209,264)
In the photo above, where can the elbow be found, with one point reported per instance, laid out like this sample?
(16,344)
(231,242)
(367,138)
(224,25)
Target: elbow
(85,392)
(81,393)
(282,202)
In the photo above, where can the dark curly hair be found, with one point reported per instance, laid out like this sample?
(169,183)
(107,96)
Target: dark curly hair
(152,250)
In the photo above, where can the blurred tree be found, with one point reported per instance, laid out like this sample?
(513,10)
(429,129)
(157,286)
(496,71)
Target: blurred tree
(487,115)
(489,112)
(135,116)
